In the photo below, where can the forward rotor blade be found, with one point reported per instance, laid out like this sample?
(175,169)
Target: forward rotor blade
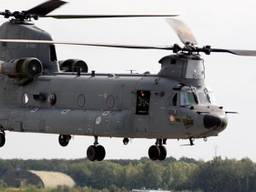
(102,16)
(236,52)
(231,112)
(83,44)
(46,7)
(182,30)
(207,51)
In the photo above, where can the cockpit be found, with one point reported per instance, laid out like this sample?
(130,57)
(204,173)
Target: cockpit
(205,96)
(189,96)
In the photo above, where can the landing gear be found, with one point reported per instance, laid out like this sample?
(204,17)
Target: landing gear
(95,151)
(163,152)
(191,141)
(125,141)
(64,140)
(154,152)
(2,138)
(158,151)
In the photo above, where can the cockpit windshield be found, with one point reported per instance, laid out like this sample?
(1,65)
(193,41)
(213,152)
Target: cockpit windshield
(188,98)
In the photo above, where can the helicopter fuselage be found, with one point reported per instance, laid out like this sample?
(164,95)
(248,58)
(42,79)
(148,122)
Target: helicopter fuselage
(109,105)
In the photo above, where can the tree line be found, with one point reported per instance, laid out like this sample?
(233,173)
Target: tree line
(172,174)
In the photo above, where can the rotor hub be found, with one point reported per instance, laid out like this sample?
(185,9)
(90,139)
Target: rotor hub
(34,13)
(19,15)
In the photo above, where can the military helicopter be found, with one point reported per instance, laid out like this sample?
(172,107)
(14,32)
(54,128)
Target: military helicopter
(173,104)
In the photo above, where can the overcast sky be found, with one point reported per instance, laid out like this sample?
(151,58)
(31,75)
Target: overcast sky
(222,24)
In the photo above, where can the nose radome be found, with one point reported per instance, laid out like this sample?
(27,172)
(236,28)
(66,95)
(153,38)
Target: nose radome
(211,121)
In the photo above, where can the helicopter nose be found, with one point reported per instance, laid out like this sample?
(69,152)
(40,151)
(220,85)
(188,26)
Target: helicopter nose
(214,122)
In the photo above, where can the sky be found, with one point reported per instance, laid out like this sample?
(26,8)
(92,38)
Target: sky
(221,24)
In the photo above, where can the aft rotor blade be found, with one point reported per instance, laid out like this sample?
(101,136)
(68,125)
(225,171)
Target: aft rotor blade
(236,52)
(84,44)
(183,31)
(46,7)
(102,16)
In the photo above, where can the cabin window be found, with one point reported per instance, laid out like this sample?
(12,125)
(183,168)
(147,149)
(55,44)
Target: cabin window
(143,101)
(53,54)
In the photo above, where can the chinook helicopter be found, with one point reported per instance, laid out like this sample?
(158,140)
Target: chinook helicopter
(172,104)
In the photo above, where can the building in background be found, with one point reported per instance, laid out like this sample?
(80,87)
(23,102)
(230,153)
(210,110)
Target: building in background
(41,179)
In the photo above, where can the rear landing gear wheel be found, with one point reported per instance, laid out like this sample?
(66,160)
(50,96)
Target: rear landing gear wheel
(64,140)
(2,139)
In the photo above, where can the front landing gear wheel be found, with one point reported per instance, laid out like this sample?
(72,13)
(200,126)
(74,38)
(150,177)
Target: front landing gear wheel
(2,139)
(163,152)
(158,151)
(91,153)
(154,152)
(100,150)
(64,140)
(96,153)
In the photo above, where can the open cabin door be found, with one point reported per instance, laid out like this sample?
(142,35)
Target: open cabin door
(142,106)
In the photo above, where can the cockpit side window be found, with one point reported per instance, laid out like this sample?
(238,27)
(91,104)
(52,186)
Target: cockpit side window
(208,93)
(204,96)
